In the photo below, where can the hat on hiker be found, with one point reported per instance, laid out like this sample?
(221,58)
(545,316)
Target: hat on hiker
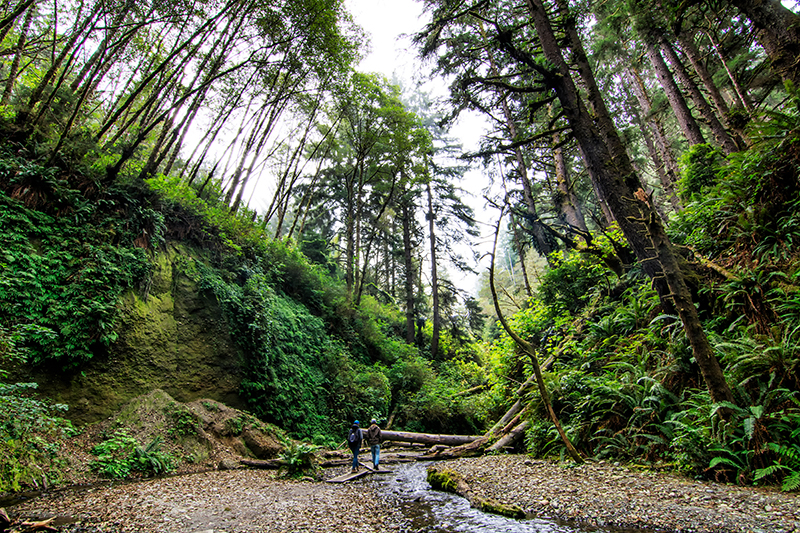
(373,421)
(355,423)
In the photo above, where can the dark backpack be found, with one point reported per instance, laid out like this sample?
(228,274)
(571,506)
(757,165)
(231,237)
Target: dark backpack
(354,436)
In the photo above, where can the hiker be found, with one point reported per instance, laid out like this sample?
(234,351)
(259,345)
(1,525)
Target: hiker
(354,439)
(374,441)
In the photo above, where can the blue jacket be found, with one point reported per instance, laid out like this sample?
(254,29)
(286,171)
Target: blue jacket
(354,437)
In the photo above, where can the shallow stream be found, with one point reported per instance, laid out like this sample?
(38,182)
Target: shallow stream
(433,511)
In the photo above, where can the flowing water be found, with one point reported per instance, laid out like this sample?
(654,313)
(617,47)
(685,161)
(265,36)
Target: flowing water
(432,511)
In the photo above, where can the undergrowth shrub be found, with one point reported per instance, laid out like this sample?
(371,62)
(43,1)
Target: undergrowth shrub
(121,456)
(299,460)
(31,434)
(700,165)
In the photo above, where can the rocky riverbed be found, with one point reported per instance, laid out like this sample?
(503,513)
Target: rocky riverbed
(238,501)
(606,495)
(241,501)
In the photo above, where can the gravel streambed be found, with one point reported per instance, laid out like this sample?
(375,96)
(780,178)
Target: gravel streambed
(605,495)
(235,501)
(255,501)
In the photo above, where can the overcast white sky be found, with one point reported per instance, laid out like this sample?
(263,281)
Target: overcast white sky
(390,25)
(385,21)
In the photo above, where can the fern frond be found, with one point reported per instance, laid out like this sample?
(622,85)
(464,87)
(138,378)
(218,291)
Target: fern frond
(768,471)
(791,482)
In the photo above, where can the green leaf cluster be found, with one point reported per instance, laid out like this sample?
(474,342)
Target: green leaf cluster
(31,432)
(62,276)
(121,456)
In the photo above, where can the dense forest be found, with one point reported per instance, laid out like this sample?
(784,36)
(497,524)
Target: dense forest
(641,163)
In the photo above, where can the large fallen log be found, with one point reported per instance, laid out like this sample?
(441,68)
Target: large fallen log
(510,438)
(471,449)
(428,438)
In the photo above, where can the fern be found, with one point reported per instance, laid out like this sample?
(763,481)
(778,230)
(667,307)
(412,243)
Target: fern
(788,460)
(791,482)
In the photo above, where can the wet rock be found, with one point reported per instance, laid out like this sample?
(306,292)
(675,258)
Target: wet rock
(262,445)
(227,464)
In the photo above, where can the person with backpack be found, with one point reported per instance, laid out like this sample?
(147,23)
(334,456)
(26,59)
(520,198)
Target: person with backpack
(374,441)
(354,438)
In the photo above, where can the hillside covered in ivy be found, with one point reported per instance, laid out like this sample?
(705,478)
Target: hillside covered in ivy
(208,198)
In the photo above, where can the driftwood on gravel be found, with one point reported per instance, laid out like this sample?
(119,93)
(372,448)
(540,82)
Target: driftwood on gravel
(41,525)
(269,464)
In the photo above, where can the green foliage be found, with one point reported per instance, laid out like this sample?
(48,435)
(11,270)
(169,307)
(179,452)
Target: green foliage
(61,279)
(286,348)
(31,434)
(234,231)
(298,375)
(700,165)
(235,426)
(788,464)
(183,421)
(429,399)
(299,460)
(570,282)
(121,456)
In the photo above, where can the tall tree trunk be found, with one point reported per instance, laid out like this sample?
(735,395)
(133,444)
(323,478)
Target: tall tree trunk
(687,122)
(778,32)
(47,78)
(671,170)
(373,236)
(701,348)
(8,21)
(394,262)
(740,92)
(166,64)
(350,229)
(13,70)
(666,175)
(544,242)
(724,140)
(519,244)
(609,165)
(408,259)
(724,112)
(604,123)
(567,204)
(434,277)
